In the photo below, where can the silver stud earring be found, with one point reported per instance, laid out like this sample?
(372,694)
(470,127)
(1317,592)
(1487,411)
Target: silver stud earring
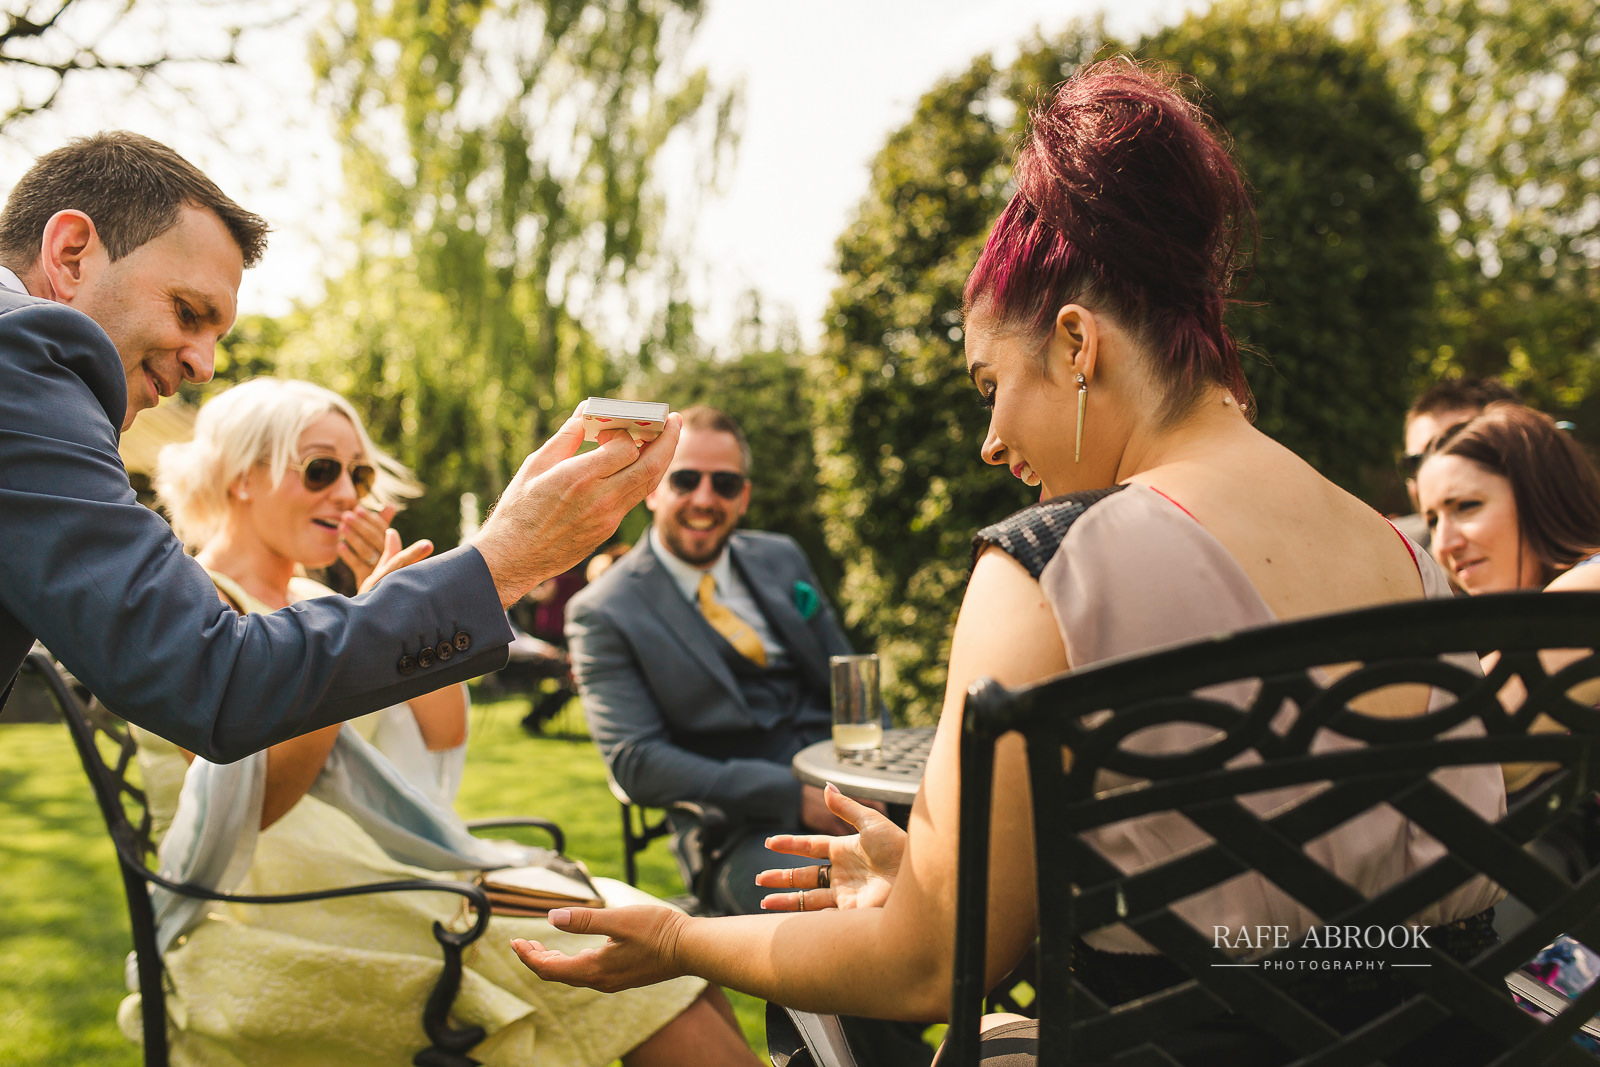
(1083,405)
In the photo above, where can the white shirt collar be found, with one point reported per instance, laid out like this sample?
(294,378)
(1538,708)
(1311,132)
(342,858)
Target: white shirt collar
(686,576)
(9,280)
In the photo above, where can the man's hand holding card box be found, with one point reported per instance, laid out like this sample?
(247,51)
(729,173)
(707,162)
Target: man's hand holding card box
(643,419)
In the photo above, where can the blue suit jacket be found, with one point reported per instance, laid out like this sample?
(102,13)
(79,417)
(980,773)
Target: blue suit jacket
(104,583)
(650,673)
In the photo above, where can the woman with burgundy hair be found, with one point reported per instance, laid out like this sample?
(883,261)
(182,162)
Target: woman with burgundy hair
(1095,335)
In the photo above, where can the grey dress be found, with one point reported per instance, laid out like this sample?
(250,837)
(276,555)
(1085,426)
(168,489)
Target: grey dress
(1127,570)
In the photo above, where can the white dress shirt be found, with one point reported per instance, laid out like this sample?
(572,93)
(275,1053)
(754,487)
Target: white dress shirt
(9,280)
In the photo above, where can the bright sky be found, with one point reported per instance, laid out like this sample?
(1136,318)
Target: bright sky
(824,84)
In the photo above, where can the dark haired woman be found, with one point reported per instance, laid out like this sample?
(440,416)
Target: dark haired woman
(1513,503)
(1094,333)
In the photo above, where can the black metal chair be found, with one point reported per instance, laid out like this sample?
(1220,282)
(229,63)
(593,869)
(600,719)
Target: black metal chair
(107,750)
(707,831)
(1266,745)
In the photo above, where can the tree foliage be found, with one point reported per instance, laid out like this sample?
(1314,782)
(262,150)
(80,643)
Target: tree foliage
(1338,308)
(500,156)
(1508,96)
(898,428)
(770,393)
(1345,274)
(46,45)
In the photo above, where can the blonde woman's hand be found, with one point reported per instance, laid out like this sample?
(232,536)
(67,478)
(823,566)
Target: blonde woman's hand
(362,536)
(393,557)
(640,948)
(861,868)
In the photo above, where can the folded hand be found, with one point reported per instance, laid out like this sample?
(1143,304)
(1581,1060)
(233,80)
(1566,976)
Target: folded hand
(362,537)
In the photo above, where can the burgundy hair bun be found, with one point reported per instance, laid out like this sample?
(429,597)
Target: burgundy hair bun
(1129,202)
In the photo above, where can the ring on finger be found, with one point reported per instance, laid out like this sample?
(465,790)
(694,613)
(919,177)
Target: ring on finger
(824,877)
(791,877)
(802,901)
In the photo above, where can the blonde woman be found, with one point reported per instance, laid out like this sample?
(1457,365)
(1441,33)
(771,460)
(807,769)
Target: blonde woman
(282,476)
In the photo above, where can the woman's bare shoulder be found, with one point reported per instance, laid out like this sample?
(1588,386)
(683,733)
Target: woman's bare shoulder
(1584,578)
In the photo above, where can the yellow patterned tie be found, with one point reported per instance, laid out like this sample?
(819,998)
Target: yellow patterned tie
(729,625)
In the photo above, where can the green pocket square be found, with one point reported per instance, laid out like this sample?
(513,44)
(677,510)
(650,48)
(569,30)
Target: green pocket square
(806,600)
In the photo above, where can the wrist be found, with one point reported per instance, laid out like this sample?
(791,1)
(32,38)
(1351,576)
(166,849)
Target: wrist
(677,942)
(500,564)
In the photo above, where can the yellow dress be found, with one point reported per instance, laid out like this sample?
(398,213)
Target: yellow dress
(342,982)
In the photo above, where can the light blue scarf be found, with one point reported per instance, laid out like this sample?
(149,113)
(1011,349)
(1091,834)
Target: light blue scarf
(213,836)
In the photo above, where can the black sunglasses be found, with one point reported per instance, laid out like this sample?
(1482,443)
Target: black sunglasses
(320,472)
(726,484)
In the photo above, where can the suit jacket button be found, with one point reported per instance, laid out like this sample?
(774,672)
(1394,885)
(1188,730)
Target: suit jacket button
(407,664)
(463,640)
(425,656)
(445,650)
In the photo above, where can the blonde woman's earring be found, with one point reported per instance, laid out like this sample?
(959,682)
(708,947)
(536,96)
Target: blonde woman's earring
(1083,405)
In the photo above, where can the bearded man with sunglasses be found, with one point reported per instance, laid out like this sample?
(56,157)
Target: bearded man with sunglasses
(120,266)
(702,660)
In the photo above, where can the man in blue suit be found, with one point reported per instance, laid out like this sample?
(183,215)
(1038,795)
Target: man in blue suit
(702,659)
(120,266)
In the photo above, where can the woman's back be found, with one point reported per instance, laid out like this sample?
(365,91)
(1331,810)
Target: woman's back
(1131,568)
(1307,546)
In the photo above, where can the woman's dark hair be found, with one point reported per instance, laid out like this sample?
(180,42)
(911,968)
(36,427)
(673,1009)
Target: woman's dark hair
(1128,201)
(1553,484)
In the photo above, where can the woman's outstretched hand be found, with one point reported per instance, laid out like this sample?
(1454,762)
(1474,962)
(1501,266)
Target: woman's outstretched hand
(863,865)
(393,557)
(640,949)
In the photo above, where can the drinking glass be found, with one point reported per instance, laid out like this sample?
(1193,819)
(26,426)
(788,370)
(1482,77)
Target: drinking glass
(857,715)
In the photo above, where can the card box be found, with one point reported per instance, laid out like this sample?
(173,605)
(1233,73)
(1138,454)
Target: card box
(643,419)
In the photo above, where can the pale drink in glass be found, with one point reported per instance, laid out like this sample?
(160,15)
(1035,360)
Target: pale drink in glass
(857,710)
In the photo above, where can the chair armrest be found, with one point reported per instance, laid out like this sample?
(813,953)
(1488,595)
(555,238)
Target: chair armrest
(713,821)
(474,894)
(556,835)
(803,1037)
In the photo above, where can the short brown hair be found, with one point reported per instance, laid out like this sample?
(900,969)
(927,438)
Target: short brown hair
(1553,484)
(130,186)
(1461,394)
(705,417)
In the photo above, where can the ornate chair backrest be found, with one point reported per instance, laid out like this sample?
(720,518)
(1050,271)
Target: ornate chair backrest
(1295,726)
(107,751)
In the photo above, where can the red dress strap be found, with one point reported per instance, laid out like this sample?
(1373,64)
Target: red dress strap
(1404,540)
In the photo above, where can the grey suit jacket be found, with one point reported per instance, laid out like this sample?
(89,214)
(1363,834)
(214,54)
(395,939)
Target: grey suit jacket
(649,670)
(104,583)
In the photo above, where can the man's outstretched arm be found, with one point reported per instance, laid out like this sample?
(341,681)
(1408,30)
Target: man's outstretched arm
(104,583)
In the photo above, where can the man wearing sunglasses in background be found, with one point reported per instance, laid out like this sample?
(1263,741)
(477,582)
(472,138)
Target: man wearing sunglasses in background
(120,266)
(1441,406)
(702,659)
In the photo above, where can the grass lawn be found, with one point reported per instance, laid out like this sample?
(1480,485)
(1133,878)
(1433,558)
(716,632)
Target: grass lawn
(63,920)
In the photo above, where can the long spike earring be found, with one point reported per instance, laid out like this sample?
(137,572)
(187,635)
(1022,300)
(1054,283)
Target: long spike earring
(1083,405)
